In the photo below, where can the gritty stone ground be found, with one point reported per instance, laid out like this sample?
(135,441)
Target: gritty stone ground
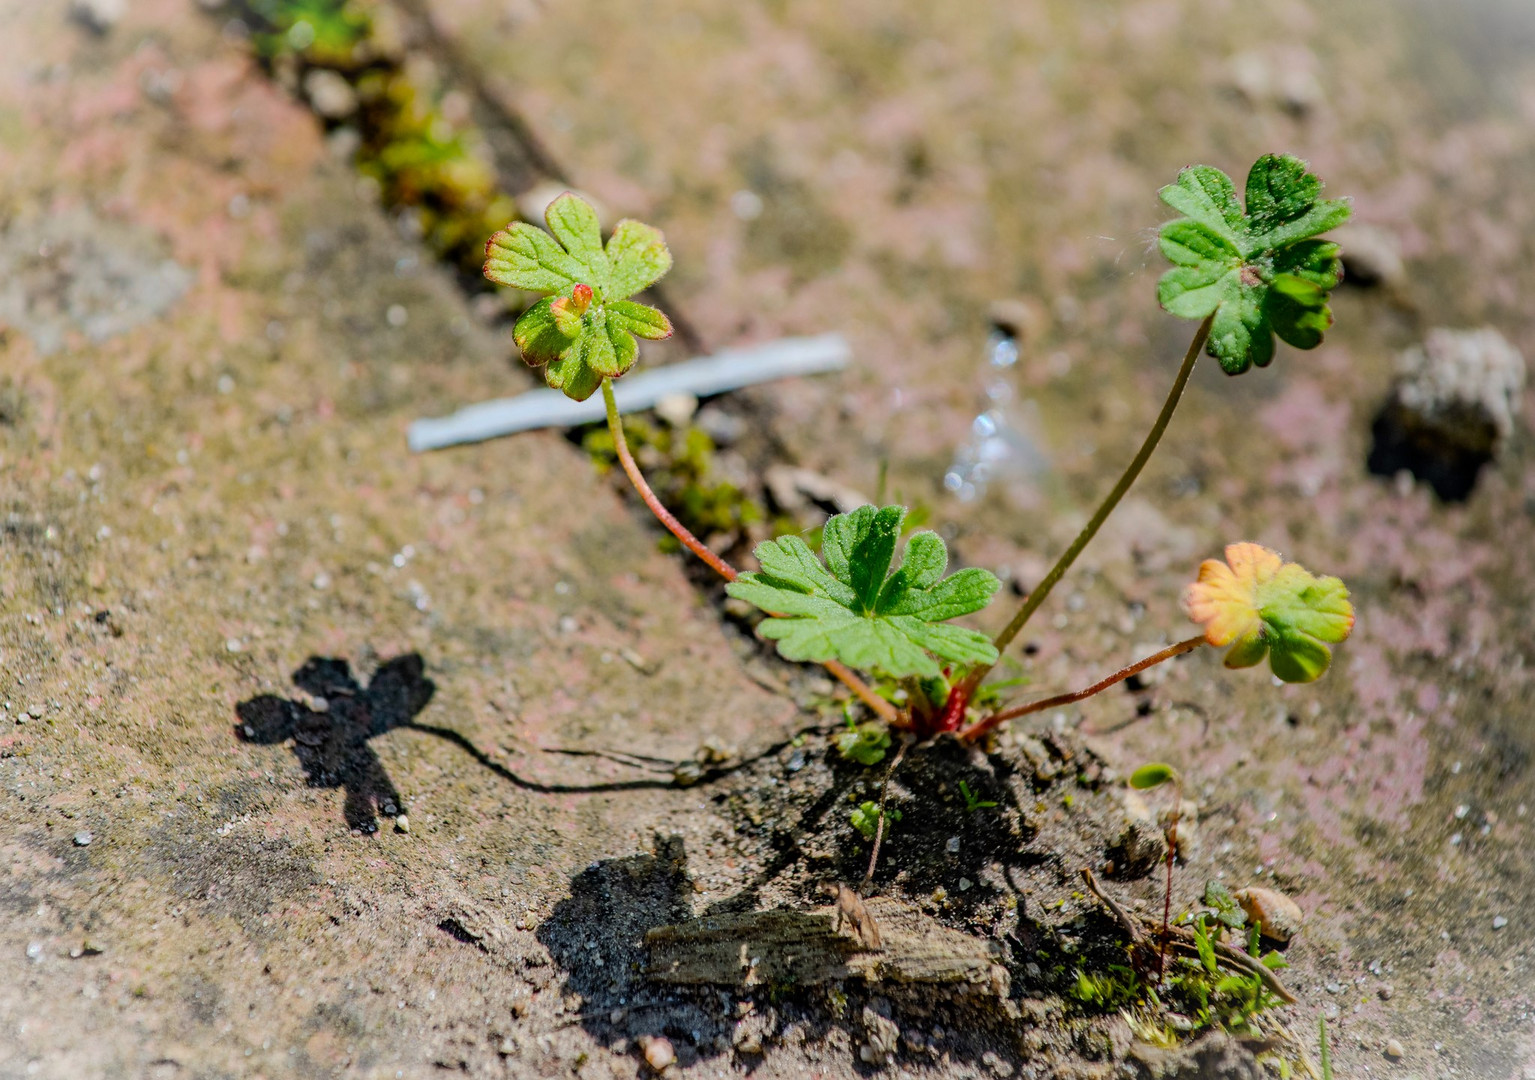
(242,629)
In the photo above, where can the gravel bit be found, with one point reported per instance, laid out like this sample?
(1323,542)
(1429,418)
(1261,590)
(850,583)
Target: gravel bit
(658,1052)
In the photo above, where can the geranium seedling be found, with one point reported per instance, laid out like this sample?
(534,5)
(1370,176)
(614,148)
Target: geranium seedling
(1248,272)
(584,331)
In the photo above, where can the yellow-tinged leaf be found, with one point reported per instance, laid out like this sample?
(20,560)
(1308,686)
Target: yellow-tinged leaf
(1261,605)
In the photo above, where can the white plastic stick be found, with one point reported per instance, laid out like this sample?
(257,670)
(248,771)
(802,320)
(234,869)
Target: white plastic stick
(729,369)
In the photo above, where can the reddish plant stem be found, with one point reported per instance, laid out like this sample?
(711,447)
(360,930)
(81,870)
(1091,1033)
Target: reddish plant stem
(882,708)
(1172,849)
(981,727)
(663,515)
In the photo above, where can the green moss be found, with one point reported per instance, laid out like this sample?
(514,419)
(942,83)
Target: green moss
(679,463)
(421,160)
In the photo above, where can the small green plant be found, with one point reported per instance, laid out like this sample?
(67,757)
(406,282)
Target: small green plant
(1325,1052)
(1248,272)
(326,33)
(1257,272)
(1215,995)
(1216,976)
(864,744)
(972,802)
(583,332)
(865,818)
(1144,779)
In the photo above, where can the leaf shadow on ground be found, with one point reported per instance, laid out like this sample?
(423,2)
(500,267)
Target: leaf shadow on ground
(330,731)
(331,724)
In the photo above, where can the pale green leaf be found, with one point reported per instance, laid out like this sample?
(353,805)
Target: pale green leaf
(1207,195)
(641,320)
(574,224)
(856,610)
(1153,775)
(639,258)
(525,257)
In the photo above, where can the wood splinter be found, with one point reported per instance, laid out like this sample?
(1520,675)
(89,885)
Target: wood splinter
(850,908)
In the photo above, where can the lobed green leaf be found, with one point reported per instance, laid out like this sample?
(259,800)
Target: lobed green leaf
(523,256)
(1259,270)
(856,610)
(586,331)
(574,224)
(641,320)
(1206,195)
(639,258)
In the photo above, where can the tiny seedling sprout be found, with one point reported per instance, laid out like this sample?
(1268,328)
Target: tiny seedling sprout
(1144,779)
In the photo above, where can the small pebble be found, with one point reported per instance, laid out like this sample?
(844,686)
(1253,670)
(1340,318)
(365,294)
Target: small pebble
(1386,991)
(1395,1050)
(1499,922)
(83,839)
(402,824)
(35,712)
(1279,915)
(658,1052)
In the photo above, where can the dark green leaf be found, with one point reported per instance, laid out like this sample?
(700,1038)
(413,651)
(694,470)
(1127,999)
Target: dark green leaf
(538,334)
(573,376)
(854,609)
(1241,335)
(1261,271)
